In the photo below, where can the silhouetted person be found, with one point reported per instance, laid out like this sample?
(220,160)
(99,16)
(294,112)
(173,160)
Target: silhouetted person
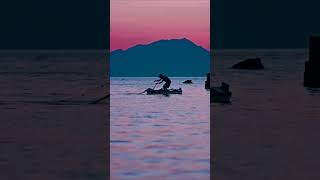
(165,79)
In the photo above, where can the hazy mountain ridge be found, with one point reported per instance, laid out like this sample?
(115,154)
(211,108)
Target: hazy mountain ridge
(174,57)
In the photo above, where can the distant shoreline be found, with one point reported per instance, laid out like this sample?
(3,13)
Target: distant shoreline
(259,49)
(53,51)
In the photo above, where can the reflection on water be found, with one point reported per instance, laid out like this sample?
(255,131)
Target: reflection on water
(156,136)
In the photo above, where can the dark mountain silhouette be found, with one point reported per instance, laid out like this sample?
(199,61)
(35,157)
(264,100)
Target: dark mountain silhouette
(175,57)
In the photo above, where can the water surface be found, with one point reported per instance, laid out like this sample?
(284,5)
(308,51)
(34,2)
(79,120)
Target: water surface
(42,139)
(158,136)
(271,128)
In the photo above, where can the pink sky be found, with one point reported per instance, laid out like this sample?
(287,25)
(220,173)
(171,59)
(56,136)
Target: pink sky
(144,21)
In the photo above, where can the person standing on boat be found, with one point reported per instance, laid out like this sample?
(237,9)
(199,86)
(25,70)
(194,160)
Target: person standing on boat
(165,79)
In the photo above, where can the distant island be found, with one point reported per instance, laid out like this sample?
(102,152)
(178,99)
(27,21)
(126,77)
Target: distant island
(174,57)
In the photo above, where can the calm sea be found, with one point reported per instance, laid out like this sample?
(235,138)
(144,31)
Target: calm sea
(271,128)
(157,136)
(40,138)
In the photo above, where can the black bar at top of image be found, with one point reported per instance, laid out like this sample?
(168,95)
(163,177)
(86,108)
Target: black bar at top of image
(54,24)
(263,24)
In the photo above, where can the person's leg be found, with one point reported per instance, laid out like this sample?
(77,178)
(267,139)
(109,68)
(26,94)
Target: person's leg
(165,86)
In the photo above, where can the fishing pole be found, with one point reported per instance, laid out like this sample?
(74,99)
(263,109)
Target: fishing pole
(146,90)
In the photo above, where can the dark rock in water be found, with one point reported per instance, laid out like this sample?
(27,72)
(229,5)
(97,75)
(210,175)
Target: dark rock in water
(207,82)
(187,82)
(254,63)
(220,94)
(312,67)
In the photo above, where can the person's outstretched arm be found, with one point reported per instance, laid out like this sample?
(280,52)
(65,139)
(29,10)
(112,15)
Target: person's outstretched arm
(159,81)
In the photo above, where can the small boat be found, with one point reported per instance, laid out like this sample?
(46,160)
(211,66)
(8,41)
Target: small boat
(161,91)
(187,82)
(220,94)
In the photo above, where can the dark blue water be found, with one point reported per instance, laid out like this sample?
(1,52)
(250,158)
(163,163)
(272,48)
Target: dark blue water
(42,139)
(271,128)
